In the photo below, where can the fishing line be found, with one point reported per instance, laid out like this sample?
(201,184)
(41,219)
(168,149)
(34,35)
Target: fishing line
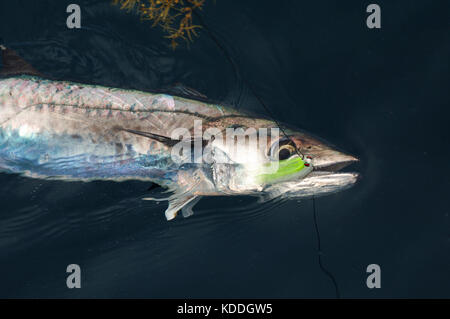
(319,250)
(247,83)
(271,115)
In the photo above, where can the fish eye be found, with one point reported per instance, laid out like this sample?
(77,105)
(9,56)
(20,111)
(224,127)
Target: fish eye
(285,152)
(282,150)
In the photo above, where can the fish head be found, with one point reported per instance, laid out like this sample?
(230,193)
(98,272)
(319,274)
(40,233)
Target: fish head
(291,163)
(323,164)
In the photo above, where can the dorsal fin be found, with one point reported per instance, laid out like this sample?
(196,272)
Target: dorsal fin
(184,91)
(12,64)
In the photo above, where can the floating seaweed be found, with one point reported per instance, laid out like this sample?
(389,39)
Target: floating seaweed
(173,16)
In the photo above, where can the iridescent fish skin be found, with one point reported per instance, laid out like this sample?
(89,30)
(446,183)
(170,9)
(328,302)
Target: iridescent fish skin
(72,131)
(78,132)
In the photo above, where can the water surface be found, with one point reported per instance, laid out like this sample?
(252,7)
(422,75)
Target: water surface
(379,94)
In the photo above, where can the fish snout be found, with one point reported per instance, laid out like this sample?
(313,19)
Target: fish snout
(330,160)
(323,156)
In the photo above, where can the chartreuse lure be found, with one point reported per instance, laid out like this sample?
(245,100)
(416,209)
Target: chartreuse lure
(294,167)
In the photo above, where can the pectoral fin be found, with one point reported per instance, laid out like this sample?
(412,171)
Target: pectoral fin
(160,138)
(185,203)
(163,139)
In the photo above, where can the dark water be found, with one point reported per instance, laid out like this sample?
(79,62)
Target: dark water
(382,95)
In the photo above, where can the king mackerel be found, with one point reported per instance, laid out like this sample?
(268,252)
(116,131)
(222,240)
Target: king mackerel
(53,129)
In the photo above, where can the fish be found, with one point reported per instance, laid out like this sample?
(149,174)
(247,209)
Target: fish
(63,130)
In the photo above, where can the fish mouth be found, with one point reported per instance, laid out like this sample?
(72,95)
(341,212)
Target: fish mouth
(332,169)
(324,179)
(335,165)
(329,172)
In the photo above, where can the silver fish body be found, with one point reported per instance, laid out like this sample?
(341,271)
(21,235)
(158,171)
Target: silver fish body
(76,132)
(70,131)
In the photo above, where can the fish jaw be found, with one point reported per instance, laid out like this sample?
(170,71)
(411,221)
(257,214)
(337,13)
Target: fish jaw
(328,159)
(324,176)
(315,184)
